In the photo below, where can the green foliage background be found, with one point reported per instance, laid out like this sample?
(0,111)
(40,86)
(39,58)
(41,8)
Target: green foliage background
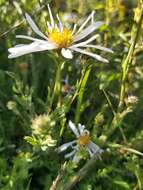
(26,86)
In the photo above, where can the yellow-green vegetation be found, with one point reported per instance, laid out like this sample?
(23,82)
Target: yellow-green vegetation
(69,76)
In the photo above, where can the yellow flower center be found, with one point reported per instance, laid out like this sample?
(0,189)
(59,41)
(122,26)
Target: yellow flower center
(62,38)
(83,140)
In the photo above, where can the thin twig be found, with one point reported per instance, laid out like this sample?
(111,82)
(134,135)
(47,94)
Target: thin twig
(59,184)
(80,175)
(58,178)
(109,102)
(114,114)
(132,150)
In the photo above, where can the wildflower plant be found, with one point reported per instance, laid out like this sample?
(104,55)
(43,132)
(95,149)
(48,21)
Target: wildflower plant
(83,140)
(76,79)
(60,38)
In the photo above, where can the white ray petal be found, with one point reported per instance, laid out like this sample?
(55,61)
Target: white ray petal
(74,28)
(90,152)
(30,38)
(86,42)
(60,23)
(49,26)
(92,18)
(76,147)
(28,48)
(34,26)
(19,45)
(87,31)
(85,22)
(35,46)
(70,154)
(51,17)
(57,28)
(95,148)
(65,146)
(81,128)
(98,57)
(12,55)
(99,47)
(97,151)
(75,159)
(73,128)
(66,53)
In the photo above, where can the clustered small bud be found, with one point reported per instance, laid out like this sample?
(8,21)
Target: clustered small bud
(131,100)
(99,119)
(40,124)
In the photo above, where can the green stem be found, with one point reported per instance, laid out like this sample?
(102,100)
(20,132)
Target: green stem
(57,87)
(85,74)
(115,116)
(127,62)
(71,100)
(109,102)
(78,176)
(117,119)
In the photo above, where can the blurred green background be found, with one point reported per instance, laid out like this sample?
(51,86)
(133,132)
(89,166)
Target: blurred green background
(24,84)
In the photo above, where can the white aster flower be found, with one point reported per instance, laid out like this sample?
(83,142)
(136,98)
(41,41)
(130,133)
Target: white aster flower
(83,140)
(61,38)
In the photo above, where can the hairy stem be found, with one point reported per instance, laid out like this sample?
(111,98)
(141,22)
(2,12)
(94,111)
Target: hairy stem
(117,119)
(127,62)
(58,178)
(78,176)
(57,86)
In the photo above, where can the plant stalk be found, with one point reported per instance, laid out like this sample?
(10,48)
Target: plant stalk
(127,62)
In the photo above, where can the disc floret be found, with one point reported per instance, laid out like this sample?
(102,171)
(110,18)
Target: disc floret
(62,39)
(84,138)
